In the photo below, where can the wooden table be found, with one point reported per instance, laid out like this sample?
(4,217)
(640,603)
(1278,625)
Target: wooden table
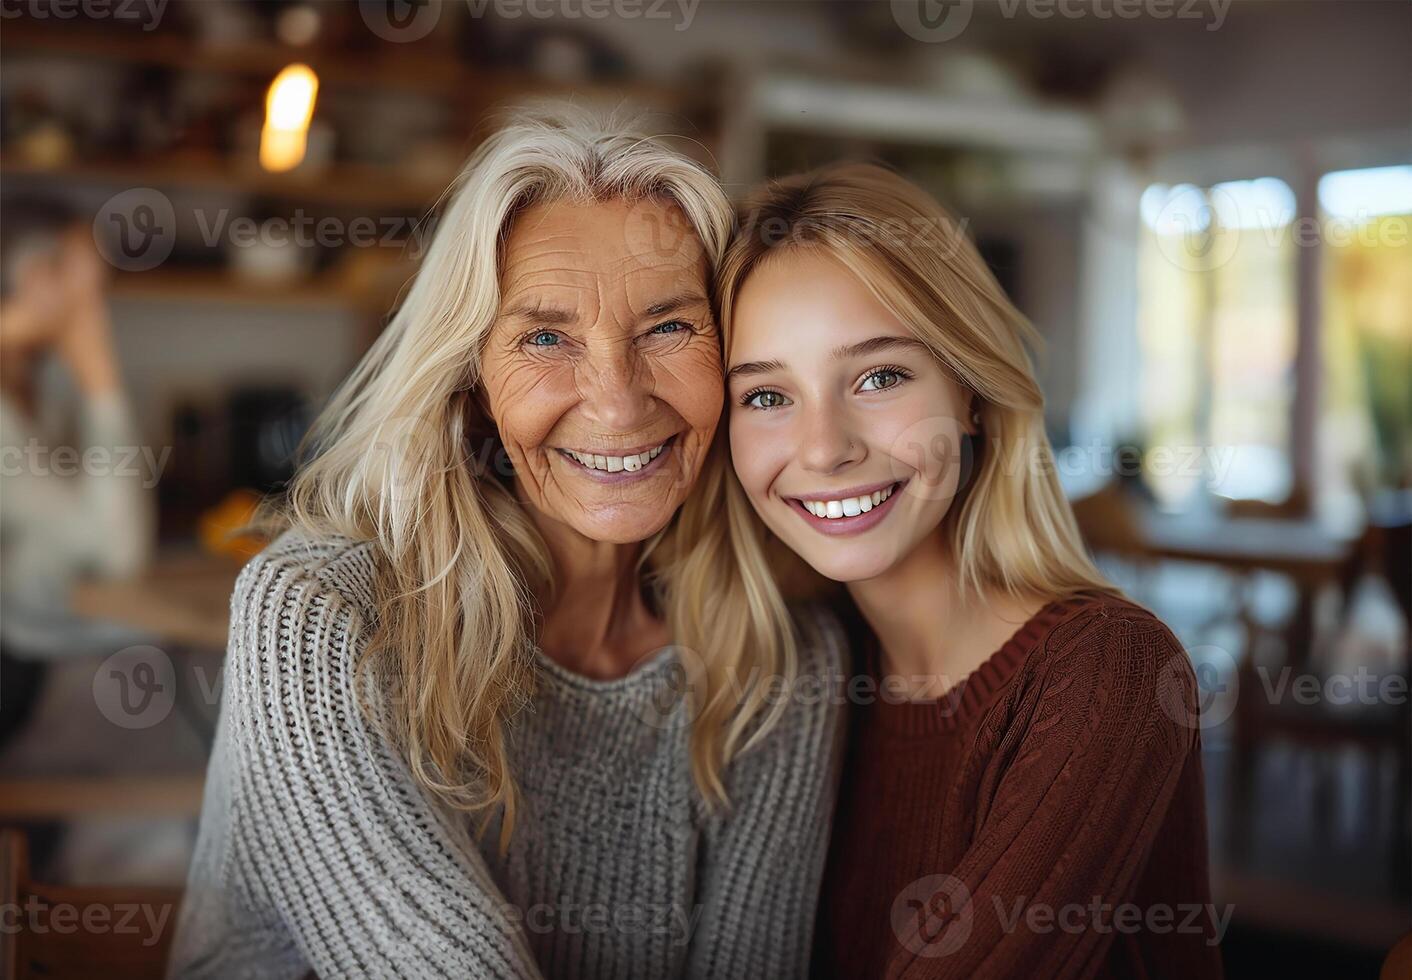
(182,597)
(1305,551)
(183,600)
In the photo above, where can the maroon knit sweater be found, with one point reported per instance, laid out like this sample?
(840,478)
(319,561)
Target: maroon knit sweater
(1045,818)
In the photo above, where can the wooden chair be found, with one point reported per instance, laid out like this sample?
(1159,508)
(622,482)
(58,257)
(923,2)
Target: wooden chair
(80,932)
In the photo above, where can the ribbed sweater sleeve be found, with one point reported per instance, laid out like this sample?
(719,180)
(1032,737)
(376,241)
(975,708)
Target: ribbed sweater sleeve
(1076,813)
(316,850)
(762,863)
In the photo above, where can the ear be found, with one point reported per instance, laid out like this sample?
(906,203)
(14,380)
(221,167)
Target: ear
(972,422)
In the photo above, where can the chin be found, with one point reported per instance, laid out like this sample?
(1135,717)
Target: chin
(625,528)
(844,566)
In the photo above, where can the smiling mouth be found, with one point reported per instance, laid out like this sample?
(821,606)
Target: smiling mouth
(604,464)
(847,513)
(842,507)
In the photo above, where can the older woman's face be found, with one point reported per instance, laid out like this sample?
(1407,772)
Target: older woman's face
(602,371)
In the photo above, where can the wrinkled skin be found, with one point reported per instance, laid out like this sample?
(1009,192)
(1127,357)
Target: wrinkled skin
(605,343)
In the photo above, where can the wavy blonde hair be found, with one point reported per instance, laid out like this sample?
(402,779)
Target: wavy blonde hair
(1010,528)
(463,575)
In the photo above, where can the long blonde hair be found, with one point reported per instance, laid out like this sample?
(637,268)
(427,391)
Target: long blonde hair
(463,575)
(1010,528)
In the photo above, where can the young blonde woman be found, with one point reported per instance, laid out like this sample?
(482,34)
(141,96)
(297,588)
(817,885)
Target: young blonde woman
(498,704)
(1023,791)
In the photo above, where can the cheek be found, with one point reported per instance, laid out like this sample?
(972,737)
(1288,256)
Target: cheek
(759,452)
(527,400)
(916,440)
(691,382)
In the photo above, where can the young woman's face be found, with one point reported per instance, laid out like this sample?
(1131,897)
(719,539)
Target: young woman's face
(602,372)
(845,431)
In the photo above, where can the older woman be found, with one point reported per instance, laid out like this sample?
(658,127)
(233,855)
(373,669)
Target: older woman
(504,700)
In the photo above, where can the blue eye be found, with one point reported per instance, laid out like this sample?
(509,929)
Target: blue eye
(671,326)
(764,399)
(884,378)
(545,338)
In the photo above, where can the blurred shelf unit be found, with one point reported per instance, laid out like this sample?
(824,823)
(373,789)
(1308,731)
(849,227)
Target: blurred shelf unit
(397,67)
(1005,140)
(902,115)
(193,286)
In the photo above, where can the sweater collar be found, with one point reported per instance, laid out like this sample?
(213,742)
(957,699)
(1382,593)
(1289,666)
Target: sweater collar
(971,693)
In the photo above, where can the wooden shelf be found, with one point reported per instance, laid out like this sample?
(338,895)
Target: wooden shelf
(348,185)
(55,798)
(181,286)
(407,67)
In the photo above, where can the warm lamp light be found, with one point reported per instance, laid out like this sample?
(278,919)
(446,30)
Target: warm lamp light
(289,108)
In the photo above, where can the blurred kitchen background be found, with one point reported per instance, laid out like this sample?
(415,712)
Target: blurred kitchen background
(209,207)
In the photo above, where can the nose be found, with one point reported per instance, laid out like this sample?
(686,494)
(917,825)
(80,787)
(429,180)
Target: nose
(616,388)
(827,444)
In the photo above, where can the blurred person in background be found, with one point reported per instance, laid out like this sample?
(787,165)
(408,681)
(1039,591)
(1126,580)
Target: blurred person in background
(68,507)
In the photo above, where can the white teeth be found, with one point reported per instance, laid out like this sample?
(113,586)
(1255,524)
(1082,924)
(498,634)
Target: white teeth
(848,506)
(616,464)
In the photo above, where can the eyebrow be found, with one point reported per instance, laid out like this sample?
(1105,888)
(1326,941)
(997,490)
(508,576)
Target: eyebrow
(753,367)
(550,316)
(674,303)
(877,345)
(863,348)
(539,315)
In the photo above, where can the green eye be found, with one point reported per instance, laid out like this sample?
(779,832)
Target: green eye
(879,380)
(545,338)
(765,399)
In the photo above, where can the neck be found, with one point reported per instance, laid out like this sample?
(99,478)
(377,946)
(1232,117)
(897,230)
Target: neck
(598,623)
(930,633)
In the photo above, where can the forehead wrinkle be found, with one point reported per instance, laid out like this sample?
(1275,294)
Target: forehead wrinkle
(521,299)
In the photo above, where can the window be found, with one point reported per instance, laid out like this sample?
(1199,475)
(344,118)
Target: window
(1217,338)
(1365,419)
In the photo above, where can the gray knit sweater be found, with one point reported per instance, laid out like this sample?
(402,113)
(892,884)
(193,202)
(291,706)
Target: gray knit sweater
(317,850)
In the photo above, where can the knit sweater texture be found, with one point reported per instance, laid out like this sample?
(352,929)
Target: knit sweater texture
(318,851)
(1043,818)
